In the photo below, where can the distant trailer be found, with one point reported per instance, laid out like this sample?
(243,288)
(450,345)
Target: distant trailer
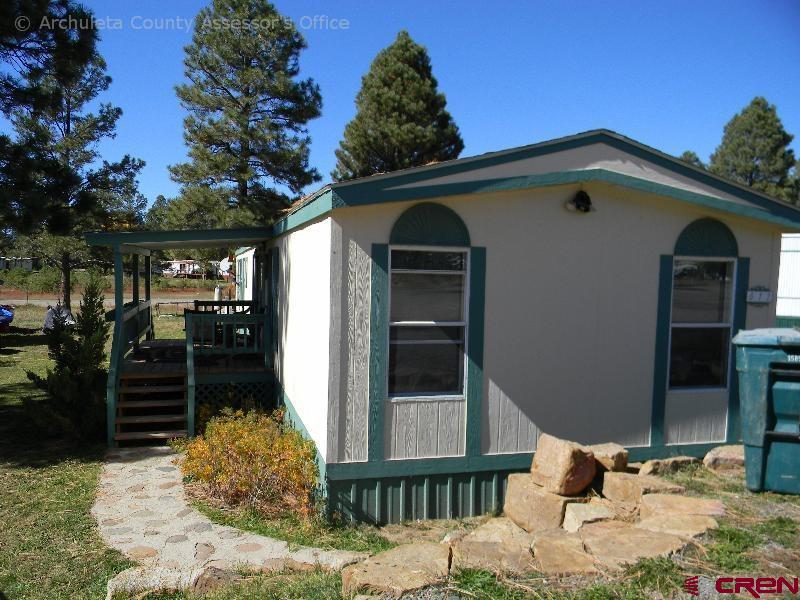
(788,308)
(14,262)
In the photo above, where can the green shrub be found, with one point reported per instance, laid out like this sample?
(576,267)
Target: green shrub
(76,384)
(256,461)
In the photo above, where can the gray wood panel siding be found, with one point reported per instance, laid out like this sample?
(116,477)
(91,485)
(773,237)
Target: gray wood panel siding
(356,396)
(424,428)
(695,417)
(505,427)
(336,405)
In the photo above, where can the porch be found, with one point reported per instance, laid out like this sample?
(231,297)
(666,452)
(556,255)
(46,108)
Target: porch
(156,386)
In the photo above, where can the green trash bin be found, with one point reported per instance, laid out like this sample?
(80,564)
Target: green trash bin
(768,363)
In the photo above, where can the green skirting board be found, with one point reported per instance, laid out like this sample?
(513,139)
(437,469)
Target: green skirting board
(787,321)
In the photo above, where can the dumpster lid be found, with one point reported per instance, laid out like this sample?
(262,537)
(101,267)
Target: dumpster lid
(768,337)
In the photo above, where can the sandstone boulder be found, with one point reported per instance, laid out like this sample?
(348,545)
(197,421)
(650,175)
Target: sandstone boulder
(498,545)
(725,457)
(659,504)
(532,507)
(576,514)
(398,571)
(615,544)
(610,456)
(685,526)
(560,553)
(562,467)
(626,489)
(661,466)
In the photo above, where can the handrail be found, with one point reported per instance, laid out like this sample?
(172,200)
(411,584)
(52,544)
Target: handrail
(125,337)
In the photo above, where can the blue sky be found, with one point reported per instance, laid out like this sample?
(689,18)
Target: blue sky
(669,74)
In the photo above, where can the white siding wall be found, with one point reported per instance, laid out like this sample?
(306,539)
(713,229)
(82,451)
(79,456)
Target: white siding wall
(570,317)
(248,258)
(789,283)
(304,290)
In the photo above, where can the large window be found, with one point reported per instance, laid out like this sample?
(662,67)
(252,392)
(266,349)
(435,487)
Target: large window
(702,316)
(427,322)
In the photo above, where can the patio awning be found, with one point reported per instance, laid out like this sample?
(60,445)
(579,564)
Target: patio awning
(192,238)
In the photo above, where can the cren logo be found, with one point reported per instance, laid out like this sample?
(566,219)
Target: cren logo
(691,585)
(757,586)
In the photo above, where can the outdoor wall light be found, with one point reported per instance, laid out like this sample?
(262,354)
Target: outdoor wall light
(581,203)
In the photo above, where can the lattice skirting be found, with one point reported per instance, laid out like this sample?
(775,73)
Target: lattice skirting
(240,394)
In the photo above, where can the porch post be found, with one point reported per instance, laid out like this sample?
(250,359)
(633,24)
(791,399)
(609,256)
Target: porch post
(148,295)
(135,277)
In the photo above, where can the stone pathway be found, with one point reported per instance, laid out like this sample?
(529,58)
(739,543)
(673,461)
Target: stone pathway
(142,512)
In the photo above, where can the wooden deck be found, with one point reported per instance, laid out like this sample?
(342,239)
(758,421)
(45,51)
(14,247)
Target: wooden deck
(167,358)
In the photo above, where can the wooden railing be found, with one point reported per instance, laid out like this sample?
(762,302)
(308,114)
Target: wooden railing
(136,322)
(213,334)
(225,307)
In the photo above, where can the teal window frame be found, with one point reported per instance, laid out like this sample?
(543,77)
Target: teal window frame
(415,227)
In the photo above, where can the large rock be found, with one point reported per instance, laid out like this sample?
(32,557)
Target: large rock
(398,571)
(659,504)
(576,514)
(498,545)
(560,553)
(562,467)
(661,466)
(213,578)
(685,526)
(610,456)
(532,507)
(725,457)
(615,544)
(626,489)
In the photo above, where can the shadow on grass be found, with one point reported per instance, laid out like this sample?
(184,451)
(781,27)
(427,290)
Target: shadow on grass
(23,444)
(23,338)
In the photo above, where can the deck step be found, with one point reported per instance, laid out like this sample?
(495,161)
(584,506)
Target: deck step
(151,419)
(177,374)
(150,435)
(149,403)
(146,389)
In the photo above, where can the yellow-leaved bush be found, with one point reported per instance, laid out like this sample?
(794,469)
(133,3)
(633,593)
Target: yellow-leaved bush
(255,460)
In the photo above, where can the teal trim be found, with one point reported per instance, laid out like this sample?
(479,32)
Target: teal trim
(293,418)
(474,391)
(734,429)
(378,349)
(429,466)
(706,237)
(117,351)
(356,198)
(242,250)
(787,322)
(430,224)
(181,238)
(661,363)
(312,209)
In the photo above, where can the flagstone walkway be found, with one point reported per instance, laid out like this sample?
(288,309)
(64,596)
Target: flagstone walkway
(142,512)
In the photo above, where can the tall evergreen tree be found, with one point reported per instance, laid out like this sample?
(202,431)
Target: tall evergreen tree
(33,51)
(248,109)
(401,119)
(755,150)
(87,196)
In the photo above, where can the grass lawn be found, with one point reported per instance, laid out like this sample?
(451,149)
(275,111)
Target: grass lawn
(49,547)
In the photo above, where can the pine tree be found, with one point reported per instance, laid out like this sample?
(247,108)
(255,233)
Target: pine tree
(88,195)
(30,55)
(76,383)
(401,119)
(755,150)
(248,110)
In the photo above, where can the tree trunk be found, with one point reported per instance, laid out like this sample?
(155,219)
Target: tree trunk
(66,283)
